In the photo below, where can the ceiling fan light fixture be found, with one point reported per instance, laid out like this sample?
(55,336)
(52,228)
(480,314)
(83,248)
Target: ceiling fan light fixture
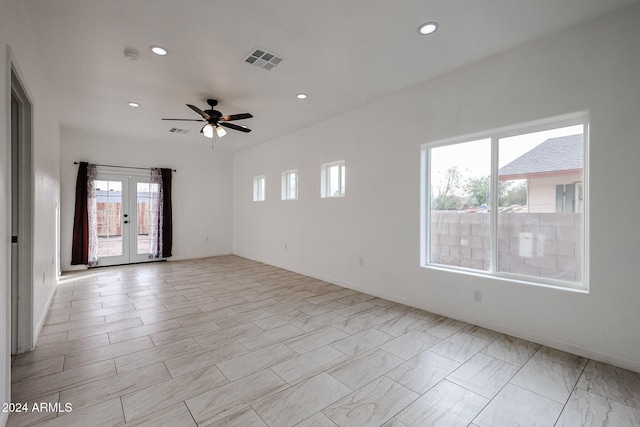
(428,28)
(207,130)
(213,119)
(133,104)
(158,50)
(301,96)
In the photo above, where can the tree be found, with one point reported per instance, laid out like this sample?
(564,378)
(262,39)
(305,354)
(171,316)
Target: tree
(513,193)
(479,190)
(446,188)
(452,194)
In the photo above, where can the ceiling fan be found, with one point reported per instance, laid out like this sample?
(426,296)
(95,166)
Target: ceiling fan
(216,121)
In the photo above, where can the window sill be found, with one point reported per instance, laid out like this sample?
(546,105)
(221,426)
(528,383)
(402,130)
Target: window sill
(580,288)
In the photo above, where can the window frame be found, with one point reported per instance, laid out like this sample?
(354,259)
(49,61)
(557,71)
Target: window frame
(259,188)
(579,118)
(325,179)
(286,184)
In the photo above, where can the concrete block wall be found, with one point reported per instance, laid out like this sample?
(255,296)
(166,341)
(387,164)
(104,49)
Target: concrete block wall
(537,244)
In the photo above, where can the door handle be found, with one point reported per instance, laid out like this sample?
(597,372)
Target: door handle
(126,222)
(126,215)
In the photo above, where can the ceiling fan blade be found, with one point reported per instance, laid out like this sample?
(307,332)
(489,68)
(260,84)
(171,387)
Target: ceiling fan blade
(232,117)
(199,111)
(235,127)
(187,120)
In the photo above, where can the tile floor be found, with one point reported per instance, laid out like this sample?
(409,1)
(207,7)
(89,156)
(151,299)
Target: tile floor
(226,341)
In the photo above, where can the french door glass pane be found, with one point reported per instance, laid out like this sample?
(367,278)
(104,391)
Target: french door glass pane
(541,204)
(109,218)
(460,226)
(146,201)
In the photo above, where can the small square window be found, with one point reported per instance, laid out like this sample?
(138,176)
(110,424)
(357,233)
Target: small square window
(333,179)
(259,188)
(290,185)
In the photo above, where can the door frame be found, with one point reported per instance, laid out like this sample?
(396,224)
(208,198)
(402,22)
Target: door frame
(123,258)
(21,145)
(129,207)
(134,216)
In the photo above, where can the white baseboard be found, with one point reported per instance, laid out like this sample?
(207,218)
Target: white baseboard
(43,317)
(174,258)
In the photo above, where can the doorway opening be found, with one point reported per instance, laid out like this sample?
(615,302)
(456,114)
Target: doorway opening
(21,218)
(124,215)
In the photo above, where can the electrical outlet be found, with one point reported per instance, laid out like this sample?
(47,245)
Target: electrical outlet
(477,296)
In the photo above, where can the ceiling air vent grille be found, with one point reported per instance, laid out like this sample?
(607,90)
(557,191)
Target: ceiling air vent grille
(263,59)
(180,131)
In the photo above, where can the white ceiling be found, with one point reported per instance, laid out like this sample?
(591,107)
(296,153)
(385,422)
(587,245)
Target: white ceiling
(343,53)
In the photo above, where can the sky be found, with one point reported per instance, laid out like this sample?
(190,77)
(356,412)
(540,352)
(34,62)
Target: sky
(473,158)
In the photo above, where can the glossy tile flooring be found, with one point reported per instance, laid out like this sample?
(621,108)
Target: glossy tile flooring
(226,341)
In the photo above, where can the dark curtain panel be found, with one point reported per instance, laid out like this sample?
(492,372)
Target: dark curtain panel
(167,219)
(80,245)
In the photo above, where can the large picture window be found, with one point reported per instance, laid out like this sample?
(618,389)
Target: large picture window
(510,203)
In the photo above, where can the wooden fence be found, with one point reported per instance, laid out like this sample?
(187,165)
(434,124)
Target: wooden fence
(110,217)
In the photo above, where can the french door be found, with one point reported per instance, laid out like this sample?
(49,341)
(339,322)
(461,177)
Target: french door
(124,206)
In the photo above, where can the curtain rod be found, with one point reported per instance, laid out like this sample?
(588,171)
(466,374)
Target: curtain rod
(124,167)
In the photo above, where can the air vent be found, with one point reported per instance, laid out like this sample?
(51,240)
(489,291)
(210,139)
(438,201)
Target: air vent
(180,131)
(263,59)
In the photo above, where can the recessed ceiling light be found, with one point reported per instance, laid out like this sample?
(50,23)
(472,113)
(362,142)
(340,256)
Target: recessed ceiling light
(133,104)
(301,96)
(158,50)
(428,28)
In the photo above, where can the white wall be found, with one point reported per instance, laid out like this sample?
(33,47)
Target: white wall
(16,33)
(592,67)
(202,187)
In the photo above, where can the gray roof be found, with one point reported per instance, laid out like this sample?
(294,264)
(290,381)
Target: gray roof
(555,154)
